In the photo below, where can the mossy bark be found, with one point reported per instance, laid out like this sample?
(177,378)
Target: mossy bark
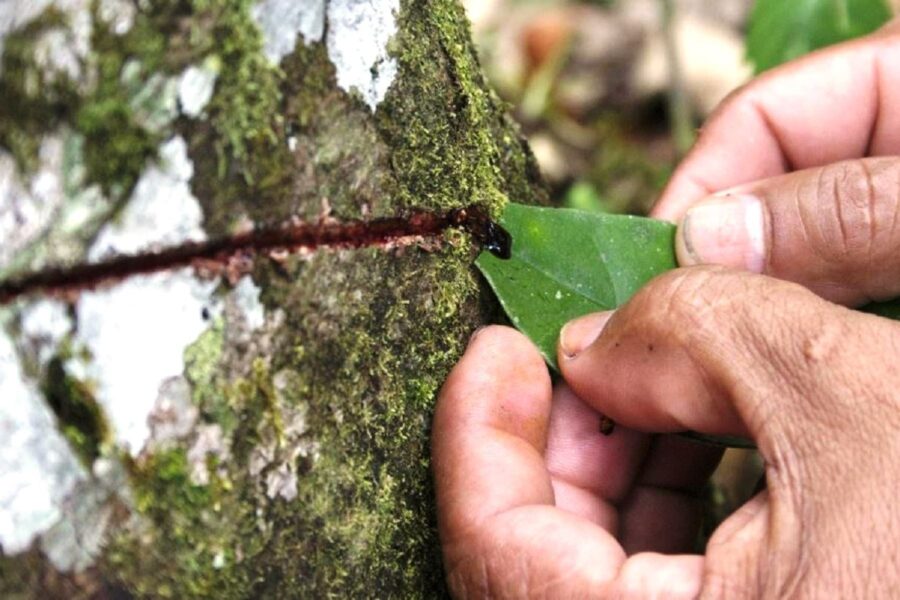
(303,469)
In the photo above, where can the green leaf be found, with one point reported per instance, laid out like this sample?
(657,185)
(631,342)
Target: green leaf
(781,30)
(568,263)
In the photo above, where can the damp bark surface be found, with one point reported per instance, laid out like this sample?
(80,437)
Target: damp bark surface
(227,422)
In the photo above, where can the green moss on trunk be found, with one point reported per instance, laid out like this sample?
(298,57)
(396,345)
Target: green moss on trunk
(319,485)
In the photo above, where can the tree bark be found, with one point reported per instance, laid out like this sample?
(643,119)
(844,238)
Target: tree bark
(256,427)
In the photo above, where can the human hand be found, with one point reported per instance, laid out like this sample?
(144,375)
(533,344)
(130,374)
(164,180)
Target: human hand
(534,501)
(796,175)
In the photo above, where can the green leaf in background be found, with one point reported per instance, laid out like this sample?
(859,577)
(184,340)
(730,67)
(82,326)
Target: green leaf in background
(583,196)
(781,30)
(568,263)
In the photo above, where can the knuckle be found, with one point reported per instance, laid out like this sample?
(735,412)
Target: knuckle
(847,210)
(676,294)
(477,565)
(696,301)
(714,312)
(719,585)
(466,572)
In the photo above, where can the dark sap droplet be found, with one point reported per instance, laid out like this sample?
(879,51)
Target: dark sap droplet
(497,240)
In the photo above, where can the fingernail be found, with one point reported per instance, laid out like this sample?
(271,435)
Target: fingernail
(580,333)
(723,230)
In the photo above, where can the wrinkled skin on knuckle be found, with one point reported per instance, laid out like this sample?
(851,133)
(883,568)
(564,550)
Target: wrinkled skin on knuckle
(717,312)
(778,329)
(846,380)
(731,577)
(480,565)
(849,217)
(769,345)
(685,302)
(826,477)
(697,310)
(471,568)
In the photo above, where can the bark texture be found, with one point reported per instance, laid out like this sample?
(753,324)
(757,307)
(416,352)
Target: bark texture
(259,430)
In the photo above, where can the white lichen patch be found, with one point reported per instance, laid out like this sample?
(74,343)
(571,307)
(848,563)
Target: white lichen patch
(357,39)
(117,14)
(246,300)
(275,458)
(282,481)
(45,319)
(161,212)
(136,333)
(209,441)
(44,324)
(27,209)
(17,13)
(37,468)
(174,414)
(74,543)
(196,85)
(48,218)
(154,101)
(62,50)
(358,36)
(281,20)
(58,56)
(249,328)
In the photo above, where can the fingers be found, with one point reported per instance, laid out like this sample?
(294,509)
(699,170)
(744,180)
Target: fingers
(490,429)
(643,489)
(834,229)
(500,532)
(663,511)
(725,352)
(591,472)
(543,552)
(830,106)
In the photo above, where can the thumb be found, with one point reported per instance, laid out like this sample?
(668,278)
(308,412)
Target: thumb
(834,229)
(729,353)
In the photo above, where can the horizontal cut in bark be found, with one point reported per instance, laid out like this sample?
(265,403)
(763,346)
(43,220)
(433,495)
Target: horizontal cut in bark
(289,237)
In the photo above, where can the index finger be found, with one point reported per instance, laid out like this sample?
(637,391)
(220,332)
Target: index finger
(833,105)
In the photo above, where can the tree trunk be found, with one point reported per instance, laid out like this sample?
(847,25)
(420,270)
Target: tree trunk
(256,426)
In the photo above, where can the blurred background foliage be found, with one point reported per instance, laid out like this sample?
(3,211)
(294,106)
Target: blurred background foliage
(610,94)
